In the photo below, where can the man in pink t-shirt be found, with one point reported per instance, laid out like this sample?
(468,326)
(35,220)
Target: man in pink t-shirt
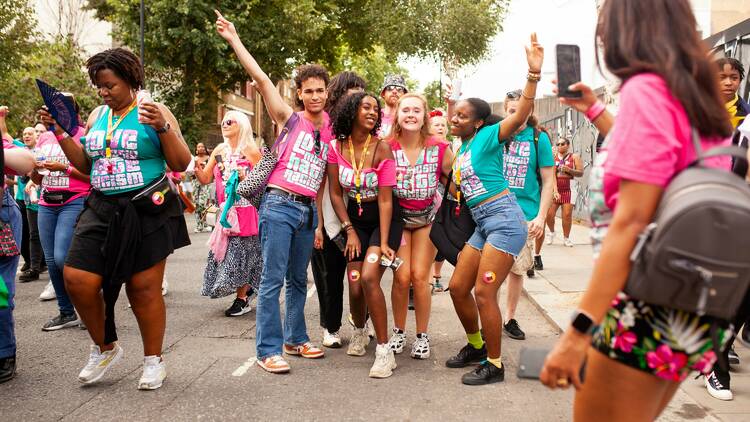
(394,86)
(288,213)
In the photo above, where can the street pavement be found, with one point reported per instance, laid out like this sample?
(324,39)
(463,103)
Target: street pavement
(557,290)
(211,375)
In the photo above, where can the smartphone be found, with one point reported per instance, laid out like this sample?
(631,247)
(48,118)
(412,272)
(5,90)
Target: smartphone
(568,69)
(532,360)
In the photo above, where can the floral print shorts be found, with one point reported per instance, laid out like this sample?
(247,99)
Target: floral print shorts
(665,342)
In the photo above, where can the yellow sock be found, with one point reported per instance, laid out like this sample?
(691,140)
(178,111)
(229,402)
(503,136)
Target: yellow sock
(495,362)
(475,339)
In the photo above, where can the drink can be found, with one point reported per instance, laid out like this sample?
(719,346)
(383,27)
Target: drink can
(456,95)
(143,96)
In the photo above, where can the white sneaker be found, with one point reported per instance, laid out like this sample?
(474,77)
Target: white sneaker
(550,237)
(331,340)
(164,286)
(420,349)
(99,363)
(358,343)
(385,362)
(397,341)
(568,243)
(154,372)
(48,293)
(716,388)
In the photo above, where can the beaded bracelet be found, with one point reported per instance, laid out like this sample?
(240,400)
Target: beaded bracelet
(595,111)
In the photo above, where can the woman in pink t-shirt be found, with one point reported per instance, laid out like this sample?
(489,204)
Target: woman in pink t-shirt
(641,352)
(361,166)
(423,163)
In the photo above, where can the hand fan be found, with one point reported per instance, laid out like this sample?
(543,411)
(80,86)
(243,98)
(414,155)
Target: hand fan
(60,107)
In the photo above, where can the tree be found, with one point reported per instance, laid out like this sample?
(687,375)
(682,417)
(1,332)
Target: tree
(372,66)
(191,63)
(432,92)
(60,63)
(17,34)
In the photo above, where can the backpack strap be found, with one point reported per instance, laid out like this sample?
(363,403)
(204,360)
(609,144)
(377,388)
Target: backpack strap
(537,133)
(280,144)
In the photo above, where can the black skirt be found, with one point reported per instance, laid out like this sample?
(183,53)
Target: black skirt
(367,226)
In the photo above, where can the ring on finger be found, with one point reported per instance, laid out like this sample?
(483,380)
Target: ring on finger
(562,382)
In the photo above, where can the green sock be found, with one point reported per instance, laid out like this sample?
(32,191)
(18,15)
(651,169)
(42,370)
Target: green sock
(495,362)
(475,339)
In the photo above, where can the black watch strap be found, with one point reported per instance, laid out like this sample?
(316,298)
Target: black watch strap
(164,129)
(582,323)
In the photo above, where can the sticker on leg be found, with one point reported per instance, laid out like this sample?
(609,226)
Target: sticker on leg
(489,277)
(354,275)
(372,258)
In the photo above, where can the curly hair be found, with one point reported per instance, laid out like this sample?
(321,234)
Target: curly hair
(122,62)
(340,84)
(306,72)
(345,114)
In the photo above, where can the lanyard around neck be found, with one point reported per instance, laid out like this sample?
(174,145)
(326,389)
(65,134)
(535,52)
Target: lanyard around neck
(358,169)
(111,127)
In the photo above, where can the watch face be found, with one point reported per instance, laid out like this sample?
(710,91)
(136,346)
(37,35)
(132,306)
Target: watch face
(582,323)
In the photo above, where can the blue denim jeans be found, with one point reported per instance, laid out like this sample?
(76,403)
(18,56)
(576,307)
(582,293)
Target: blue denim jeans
(9,213)
(56,227)
(501,223)
(286,237)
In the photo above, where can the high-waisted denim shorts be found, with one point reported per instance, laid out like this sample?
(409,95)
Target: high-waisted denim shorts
(501,223)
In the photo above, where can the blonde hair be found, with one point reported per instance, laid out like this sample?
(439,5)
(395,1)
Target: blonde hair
(246,131)
(425,131)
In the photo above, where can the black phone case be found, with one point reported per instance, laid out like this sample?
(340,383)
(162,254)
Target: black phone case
(531,362)
(566,77)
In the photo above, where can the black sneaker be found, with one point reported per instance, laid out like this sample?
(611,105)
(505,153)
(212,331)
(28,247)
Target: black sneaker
(717,385)
(28,275)
(513,330)
(7,368)
(468,355)
(538,265)
(485,373)
(530,273)
(239,307)
(61,321)
(734,358)
(411,298)
(25,267)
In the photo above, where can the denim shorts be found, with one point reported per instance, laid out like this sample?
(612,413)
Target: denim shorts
(501,223)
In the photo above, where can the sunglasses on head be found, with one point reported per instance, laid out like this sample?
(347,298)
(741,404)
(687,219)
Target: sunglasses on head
(396,88)
(513,95)
(560,144)
(228,122)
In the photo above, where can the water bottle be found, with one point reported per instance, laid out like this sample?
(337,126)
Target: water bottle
(41,158)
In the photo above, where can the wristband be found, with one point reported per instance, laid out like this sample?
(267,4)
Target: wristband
(69,170)
(595,111)
(60,137)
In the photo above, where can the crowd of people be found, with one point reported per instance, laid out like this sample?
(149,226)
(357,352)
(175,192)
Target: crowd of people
(356,184)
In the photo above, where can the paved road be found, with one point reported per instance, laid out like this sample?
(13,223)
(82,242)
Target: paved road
(209,377)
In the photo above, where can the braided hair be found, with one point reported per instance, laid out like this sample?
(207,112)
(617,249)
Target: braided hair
(122,62)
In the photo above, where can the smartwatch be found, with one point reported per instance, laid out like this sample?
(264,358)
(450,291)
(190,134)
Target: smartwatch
(581,322)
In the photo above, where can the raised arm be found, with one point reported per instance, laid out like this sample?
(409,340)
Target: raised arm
(277,107)
(72,146)
(603,121)
(4,134)
(535,58)
(19,160)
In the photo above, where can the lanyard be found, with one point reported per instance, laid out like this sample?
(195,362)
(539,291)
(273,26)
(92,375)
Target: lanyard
(358,170)
(111,128)
(457,160)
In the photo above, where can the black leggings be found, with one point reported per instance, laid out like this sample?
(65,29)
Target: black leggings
(329,269)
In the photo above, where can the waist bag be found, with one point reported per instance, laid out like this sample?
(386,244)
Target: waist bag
(695,255)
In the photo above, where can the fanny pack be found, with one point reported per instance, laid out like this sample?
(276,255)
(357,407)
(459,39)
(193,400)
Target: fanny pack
(414,219)
(154,198)
(57,197)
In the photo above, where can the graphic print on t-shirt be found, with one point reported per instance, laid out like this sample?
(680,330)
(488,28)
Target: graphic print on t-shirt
(55,179)
(516,163)
(368,188)
(305,168)
(122,170)
(418,182)
(471,186)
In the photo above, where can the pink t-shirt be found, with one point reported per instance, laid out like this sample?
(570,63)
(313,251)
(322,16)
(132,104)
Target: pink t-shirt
(57,181)
(417,185)
(300,170)
(382,175)
(386,124)
(247,215)
(650,143)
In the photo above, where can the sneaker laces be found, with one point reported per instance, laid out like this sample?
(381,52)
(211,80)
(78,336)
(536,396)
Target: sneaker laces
(94,357)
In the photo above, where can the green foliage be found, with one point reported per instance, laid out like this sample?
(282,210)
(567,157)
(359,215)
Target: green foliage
(59,63)
(17,33)
(187,62)
(432,92)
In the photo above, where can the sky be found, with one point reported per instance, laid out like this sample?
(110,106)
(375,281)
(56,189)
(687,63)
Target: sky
(554,21)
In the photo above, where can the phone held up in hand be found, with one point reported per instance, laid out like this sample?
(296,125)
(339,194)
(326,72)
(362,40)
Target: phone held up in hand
(568,69)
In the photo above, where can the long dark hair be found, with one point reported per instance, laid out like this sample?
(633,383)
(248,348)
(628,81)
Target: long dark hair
(345,113)
(659,36)
(483,112)
(340,84)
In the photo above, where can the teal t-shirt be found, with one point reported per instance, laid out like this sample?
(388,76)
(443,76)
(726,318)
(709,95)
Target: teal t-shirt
(521,164)
(480,161)
(20,185)
(136,159)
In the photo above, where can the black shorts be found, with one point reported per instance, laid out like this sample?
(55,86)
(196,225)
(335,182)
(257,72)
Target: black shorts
(367,226)
(86,254)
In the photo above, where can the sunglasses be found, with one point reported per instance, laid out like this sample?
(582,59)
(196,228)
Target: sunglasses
(562,144)
(513,95)
(317,142)
(228,122)
(398,89)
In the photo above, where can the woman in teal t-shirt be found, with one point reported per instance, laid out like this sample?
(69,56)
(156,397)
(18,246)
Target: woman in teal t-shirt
(132,220)
(501,229)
